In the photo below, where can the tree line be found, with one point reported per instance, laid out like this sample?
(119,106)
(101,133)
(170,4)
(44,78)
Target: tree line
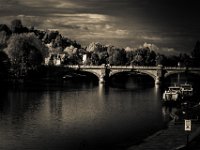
(23,51)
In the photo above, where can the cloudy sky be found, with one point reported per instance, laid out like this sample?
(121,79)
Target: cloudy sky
(169,25)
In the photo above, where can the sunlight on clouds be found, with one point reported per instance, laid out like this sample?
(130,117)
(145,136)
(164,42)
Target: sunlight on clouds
(121,32)
(107,26)
(64,4)
(79,26)
(49,3)
(153,38)
(166,49)
(83,16)
(151,46)
(162,50)
(95,25)
(107,19)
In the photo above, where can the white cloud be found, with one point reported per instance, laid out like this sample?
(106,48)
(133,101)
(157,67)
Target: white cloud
(76,26)
(167,49)
(121,32)
(129,49)
(83,17)
(152,38)
(107,26)
(161,50)
(151,46)
(49,3)
(89,25)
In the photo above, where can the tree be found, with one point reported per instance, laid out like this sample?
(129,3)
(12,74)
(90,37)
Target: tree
(185,60)
(17,27)
(72,55)
(5,28)
(129,56)
(196,54)
(116,56)
(99,54)
(5,33)
(4,65)
(161,60)
(50,36)
(95,59)
(143,56)
(150,59)
(26,52)
(3,39)
(172,60)
(138,60)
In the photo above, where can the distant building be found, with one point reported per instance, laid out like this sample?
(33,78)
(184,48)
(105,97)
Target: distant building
(55,59)
(84,58)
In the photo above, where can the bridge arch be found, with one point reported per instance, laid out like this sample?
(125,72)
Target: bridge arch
(91,72)
(153,76)
(167,74)
(112,73)
(96,72)
(177,72)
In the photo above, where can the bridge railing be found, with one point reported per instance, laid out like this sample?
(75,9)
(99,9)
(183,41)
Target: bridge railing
(111,67)
(84,66)
(175,68)
(129,67)
(145,67)
(181,68)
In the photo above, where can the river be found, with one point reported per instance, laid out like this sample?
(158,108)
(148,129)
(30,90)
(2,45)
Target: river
(79,114)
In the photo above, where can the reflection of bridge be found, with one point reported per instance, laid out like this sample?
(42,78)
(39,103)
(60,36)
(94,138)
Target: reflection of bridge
(158,73)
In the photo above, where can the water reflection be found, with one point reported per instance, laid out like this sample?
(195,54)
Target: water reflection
(78,115)
(55,104)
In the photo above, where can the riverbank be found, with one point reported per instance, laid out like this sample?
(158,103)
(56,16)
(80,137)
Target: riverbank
(172,138)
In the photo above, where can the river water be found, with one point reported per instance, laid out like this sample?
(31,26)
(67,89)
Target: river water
(79,114)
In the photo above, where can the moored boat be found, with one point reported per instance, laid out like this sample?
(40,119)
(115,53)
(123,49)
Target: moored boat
(172,94)
(176,93)
(186,90)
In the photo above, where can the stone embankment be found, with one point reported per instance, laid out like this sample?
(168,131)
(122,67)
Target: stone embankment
(172,138)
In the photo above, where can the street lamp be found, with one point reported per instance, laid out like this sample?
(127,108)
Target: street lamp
(188,123)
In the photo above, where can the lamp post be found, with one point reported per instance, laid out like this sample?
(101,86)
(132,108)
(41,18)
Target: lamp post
(188,123)
(188,126)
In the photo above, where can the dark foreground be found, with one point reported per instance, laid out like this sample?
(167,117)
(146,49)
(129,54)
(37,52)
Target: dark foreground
(174,137)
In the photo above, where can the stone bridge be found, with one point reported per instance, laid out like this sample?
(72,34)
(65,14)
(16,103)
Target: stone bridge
(158,73)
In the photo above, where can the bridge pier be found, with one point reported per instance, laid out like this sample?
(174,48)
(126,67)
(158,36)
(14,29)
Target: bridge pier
(102,79)
(104,76)
(159,75)
(158,80)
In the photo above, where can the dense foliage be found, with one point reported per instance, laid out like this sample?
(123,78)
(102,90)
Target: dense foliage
(25,49)
(196,54)
(26,52)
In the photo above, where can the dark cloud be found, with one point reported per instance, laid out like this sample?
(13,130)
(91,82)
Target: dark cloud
(166,23)
(71,26)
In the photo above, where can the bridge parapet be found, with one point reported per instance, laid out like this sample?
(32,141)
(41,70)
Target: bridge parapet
(174,70)
(84,66)
(158,73)
(104,71)
(145,67)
